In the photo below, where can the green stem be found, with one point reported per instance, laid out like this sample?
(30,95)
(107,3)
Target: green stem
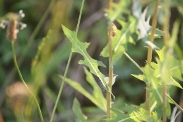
(149,54)
(61,87)
(67,67)
(21,77)
(133,61)
(80,13)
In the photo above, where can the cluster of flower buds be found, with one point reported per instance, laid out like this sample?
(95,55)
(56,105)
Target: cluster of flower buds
(13,23)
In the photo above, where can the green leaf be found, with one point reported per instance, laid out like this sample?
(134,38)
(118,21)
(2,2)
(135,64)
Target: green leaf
(180,108)
(120,41)
(84,92)
(120,117)
(78,112)
(117,54)
(143,25)
(175,83)
(97,93)
(140,77)
(169,67)
(80,47)
(131,113)
(118,9)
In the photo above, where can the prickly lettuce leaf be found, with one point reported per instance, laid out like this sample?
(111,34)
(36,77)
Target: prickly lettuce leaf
(131,113)
(171,68)
(143,25)
(80,47)
(144,28)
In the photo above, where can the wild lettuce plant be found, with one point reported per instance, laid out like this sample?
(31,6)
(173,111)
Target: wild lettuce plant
(128,22)
(159,76)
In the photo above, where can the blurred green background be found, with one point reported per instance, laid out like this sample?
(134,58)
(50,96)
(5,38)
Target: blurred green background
(44,19)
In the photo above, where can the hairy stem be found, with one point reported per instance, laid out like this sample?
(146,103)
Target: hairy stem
(21,77)
(149,54)
(67,67)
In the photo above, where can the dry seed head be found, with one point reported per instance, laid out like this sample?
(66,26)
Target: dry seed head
(13,23)
(12,30)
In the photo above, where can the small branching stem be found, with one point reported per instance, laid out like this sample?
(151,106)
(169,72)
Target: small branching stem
(21,78)
(149,54)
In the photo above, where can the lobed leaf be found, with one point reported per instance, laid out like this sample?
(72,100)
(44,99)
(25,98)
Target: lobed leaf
(80,47)
(145,28)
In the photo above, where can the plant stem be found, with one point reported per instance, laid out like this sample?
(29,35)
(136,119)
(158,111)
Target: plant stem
(164,100)
(67,67)
(110,4)
(80,13)
(21,77)
(149,54)
(133,62)
(61,88)
(166,37)
(108,96)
